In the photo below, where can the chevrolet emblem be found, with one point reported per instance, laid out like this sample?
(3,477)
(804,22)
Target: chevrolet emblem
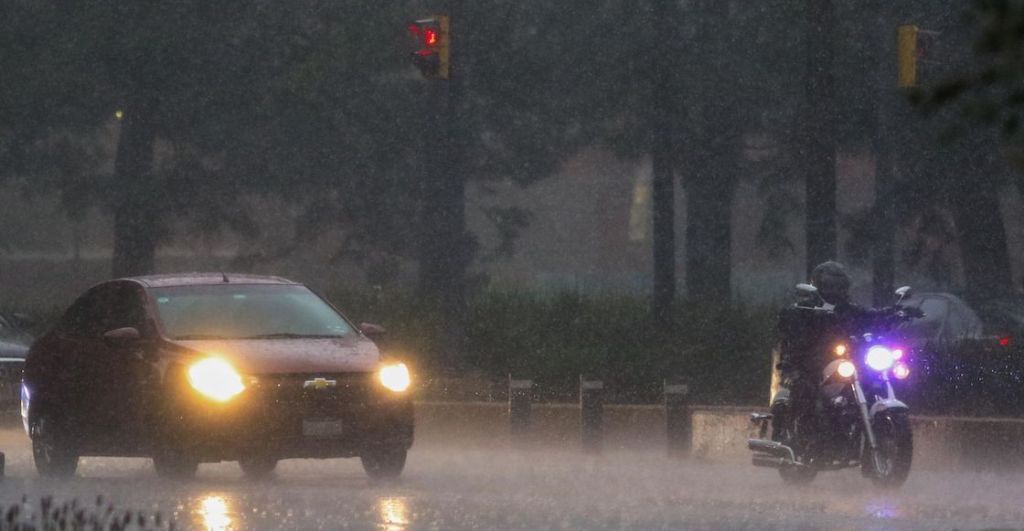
(318,384)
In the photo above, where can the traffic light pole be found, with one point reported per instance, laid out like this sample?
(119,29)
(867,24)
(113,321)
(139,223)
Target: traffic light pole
(446,248)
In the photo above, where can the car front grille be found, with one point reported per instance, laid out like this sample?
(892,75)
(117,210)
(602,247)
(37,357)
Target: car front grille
(313,395)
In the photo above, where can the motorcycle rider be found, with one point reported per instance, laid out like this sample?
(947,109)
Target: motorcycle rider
(806,336)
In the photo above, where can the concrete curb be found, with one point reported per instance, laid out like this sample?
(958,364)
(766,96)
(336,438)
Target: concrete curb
(719,433)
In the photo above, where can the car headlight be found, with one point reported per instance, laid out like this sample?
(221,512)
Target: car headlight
(880,358)
(215,379)
(395,377)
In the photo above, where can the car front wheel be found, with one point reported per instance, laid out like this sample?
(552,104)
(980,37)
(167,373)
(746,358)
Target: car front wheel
(52,450)
(258,466)
(384,463)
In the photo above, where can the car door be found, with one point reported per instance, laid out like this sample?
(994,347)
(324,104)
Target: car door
(67,377)
(121,368)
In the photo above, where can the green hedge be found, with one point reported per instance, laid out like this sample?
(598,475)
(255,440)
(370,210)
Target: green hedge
(722,351)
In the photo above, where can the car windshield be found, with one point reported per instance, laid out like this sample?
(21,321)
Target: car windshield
(240,311)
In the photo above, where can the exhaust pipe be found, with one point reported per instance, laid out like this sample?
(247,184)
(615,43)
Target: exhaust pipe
(772,448)
(768,461)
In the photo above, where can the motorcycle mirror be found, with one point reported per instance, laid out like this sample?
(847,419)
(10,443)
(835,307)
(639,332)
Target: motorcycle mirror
(806,289)
(808,294)
(903,293)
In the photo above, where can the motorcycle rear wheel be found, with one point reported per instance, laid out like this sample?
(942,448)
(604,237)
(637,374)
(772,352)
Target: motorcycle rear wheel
(797,475)
(896,448)
(793,475)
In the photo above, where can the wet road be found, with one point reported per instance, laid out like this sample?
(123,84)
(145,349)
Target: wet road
(448,488)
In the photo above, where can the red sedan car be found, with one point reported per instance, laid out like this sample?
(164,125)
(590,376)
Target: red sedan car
(212,367)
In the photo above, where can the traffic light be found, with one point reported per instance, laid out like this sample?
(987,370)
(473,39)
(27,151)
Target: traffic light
(916,51)
(434,46)
(906,55)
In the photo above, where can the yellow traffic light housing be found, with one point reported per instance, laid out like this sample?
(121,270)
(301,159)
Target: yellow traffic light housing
(433,58)
(906,55)
(918,55)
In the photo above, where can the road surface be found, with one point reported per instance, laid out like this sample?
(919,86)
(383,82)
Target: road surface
(448,487)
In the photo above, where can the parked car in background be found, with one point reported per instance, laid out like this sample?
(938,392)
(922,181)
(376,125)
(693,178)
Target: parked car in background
(970,356)
(14,345)
(187,369)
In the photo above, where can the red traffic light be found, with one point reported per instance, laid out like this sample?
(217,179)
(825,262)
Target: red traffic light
(430,37)
(432,46)
(427,32)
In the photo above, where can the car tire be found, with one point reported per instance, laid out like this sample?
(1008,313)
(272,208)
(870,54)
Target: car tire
(53,452)
(258,466)
(384,464)
(172,464)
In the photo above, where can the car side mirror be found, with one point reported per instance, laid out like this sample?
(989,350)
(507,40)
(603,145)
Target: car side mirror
(372,331)
(121,337)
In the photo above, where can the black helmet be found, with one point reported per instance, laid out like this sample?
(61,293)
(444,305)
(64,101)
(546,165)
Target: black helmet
(832,282)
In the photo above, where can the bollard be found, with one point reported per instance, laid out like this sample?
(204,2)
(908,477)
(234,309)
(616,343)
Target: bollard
(519,395)
(591,414)
(678,419)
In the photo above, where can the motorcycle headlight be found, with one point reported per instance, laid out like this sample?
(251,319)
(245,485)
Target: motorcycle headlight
(846,369)
(395,377)
(216,379)
(879,358)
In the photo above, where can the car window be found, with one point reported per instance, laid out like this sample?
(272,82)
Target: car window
(122,306)
(104,308)
(82,319)
(245,311)
(7,330)
(961,323)
(929,328)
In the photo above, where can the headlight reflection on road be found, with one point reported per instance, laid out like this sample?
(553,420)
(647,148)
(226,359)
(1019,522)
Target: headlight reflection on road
(884,510)
(394,514)
(214,513)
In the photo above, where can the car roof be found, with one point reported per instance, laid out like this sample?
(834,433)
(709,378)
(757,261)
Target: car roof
(918,297)
(194,279)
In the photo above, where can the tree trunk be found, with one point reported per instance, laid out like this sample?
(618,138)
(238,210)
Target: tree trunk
(136,228)
(709,196)
(712,169)
(662,112)
(819,134)
(974,200)
(883,270)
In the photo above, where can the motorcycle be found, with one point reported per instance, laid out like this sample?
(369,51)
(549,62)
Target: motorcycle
(857,421)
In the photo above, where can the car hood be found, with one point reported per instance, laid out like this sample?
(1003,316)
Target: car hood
(283,356)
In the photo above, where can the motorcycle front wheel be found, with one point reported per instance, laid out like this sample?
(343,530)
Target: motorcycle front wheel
(891,466)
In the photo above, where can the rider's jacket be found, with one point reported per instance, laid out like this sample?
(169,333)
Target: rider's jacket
(808,333)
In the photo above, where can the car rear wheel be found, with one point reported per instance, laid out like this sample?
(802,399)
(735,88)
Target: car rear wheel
(174,464)
(384,463)
(258,466)
(52,450)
